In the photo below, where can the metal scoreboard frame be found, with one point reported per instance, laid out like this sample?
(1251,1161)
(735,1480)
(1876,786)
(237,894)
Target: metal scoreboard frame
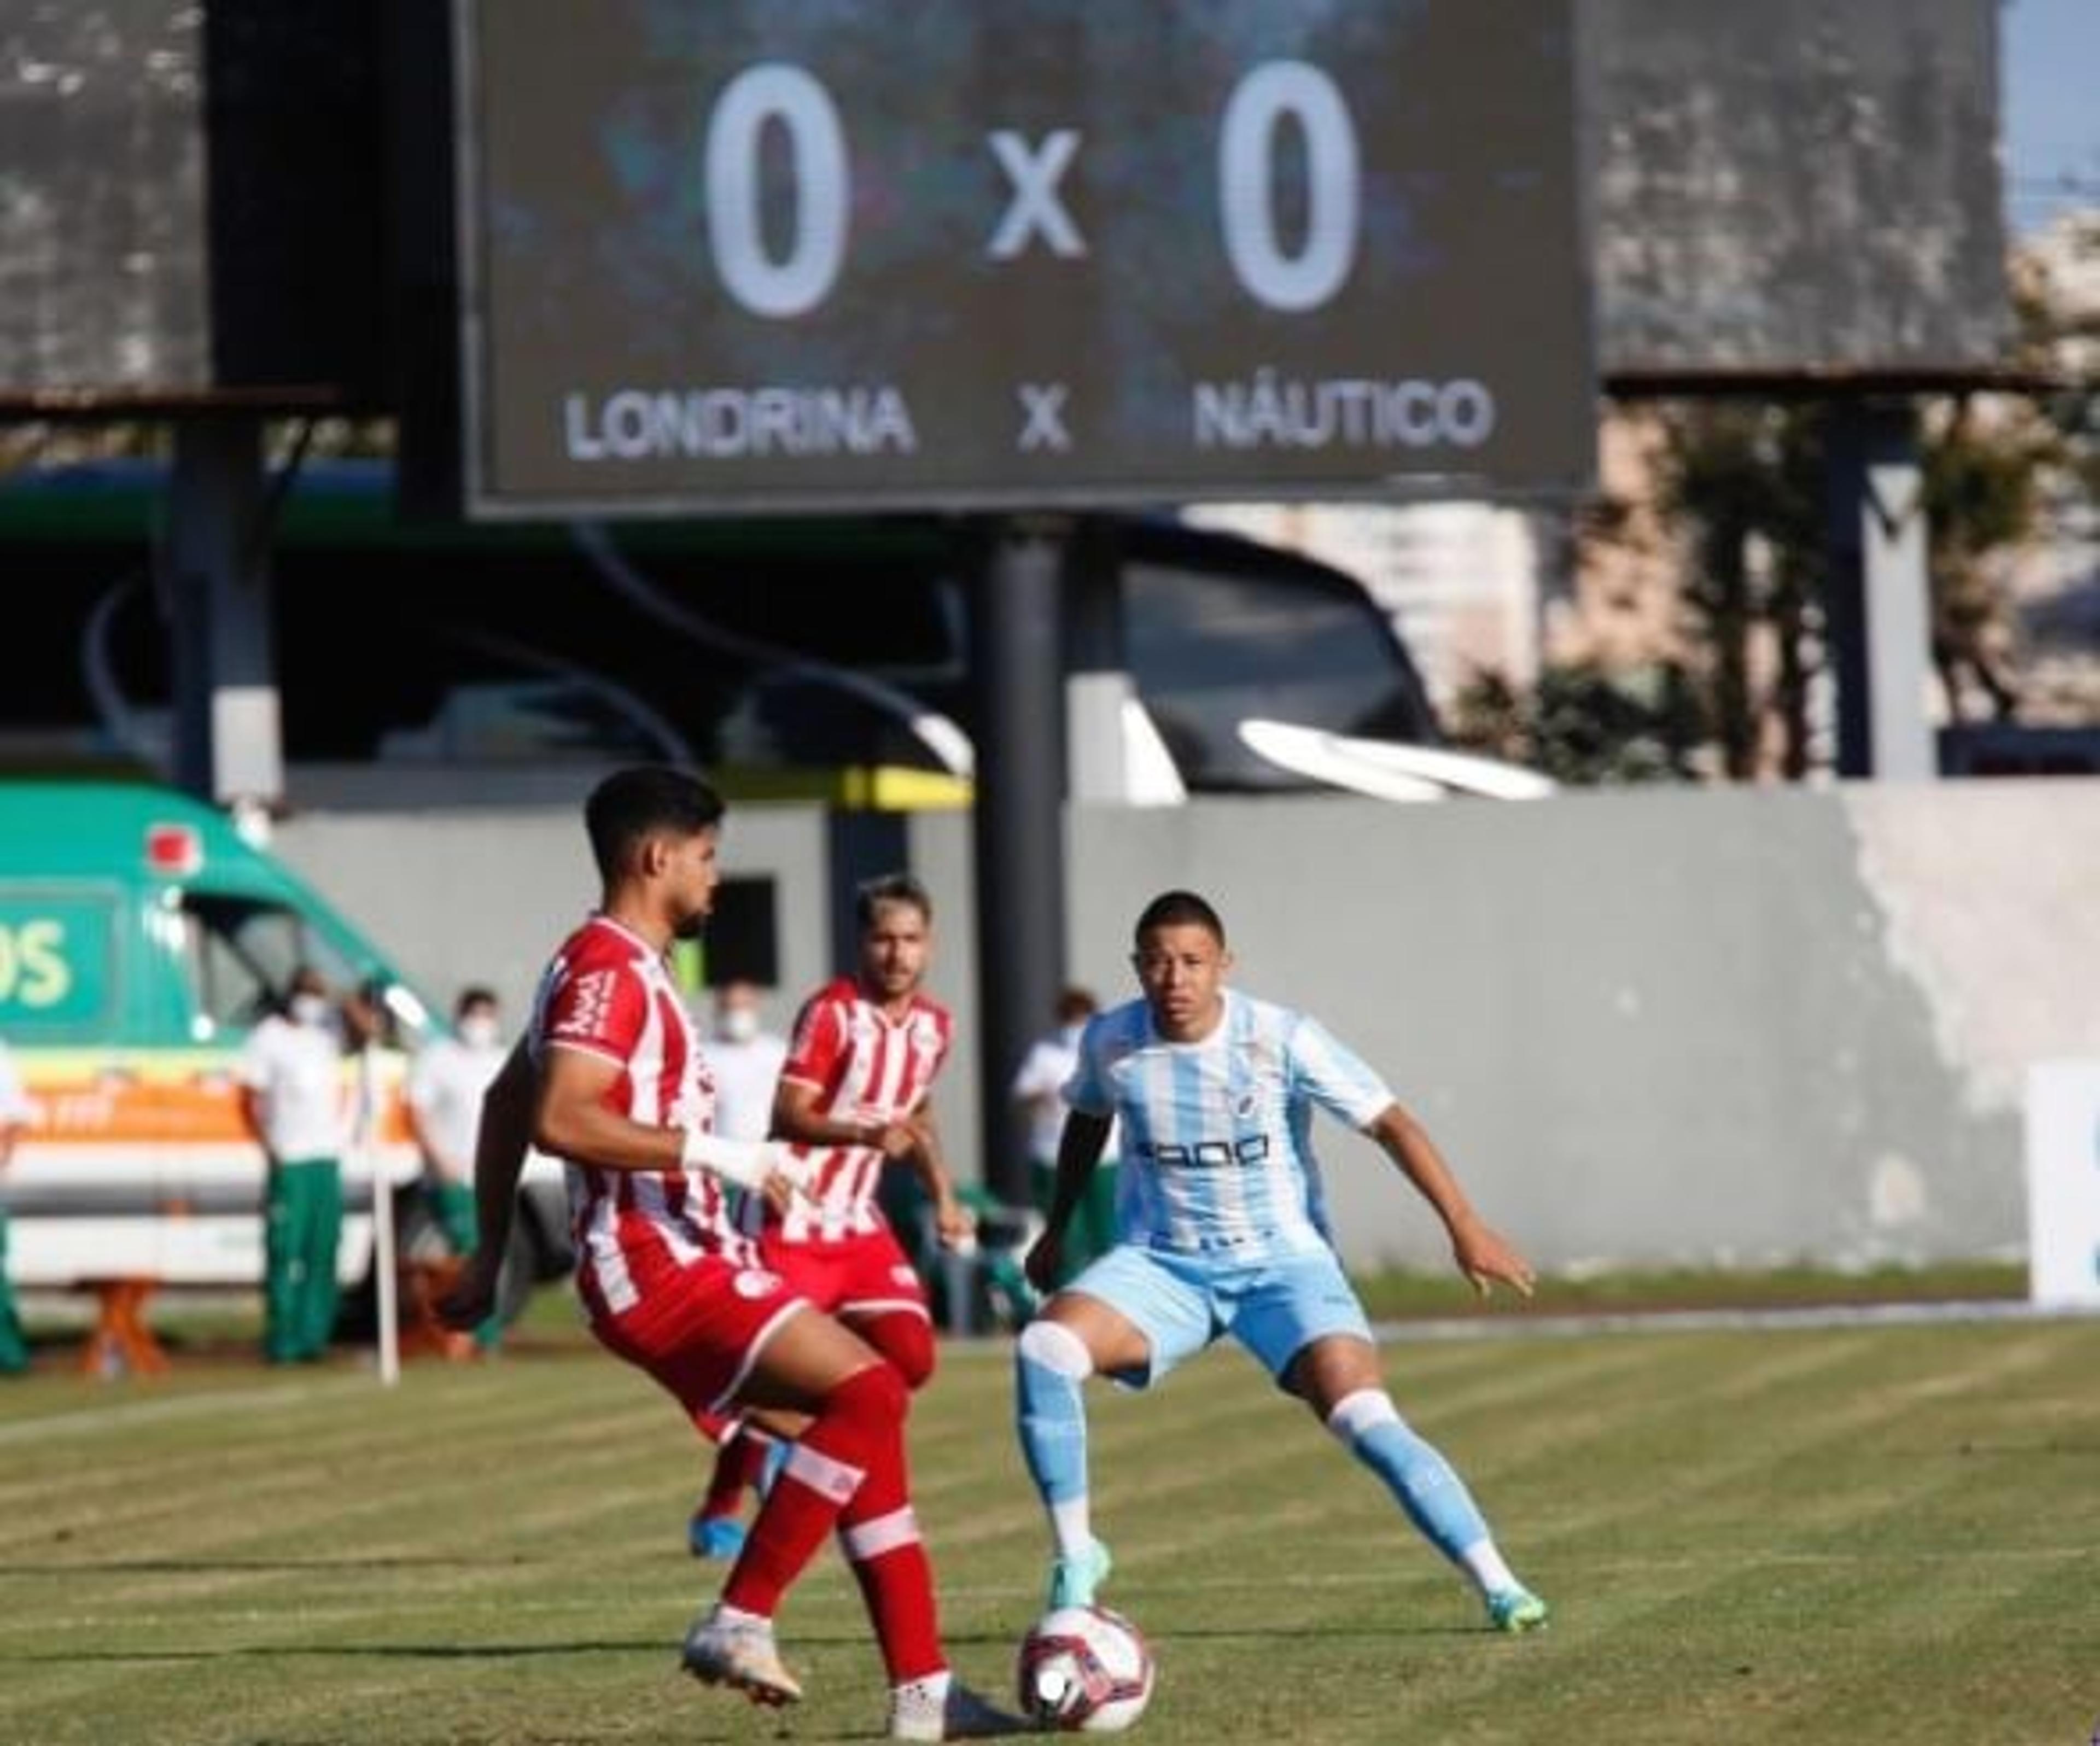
(783,255)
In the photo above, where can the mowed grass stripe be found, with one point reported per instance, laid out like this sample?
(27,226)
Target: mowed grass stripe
(1783,1538)
(1723,1425)
(367,1453)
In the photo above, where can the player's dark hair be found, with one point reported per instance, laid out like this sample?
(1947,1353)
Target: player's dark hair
(890,888)
(631,805)
(473,995)
(1179,909)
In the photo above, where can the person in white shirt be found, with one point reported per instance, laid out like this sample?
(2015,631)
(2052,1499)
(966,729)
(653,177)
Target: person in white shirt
(445,1089)
(14,1115)
(1038,1088)
(745,1059)
(296,1102)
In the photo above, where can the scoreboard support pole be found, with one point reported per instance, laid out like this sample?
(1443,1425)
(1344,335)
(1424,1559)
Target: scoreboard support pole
(213,576)
(1017,668)
(1880,591)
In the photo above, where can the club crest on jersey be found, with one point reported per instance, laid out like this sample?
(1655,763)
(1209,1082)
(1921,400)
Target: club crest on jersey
(754,1283)
(902,1275)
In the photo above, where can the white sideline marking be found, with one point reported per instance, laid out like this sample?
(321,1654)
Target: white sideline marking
(1516,1325)
(147,1412)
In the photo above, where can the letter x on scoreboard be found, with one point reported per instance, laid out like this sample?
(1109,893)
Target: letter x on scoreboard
(798,254)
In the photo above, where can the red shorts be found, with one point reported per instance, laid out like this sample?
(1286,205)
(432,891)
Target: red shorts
(853,1277)
(698,1330)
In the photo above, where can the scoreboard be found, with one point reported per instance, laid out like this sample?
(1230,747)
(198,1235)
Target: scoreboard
(799,254)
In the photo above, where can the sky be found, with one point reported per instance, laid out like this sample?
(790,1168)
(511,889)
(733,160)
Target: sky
(2049,58)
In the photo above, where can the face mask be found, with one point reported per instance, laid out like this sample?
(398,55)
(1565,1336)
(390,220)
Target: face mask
(311,1010)
(479,1031)
(738,1024)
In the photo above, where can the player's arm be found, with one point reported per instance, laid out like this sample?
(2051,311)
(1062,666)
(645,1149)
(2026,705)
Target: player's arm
(1078,1152)
(573,1118)
(1482,1253)
(815,1062)
(796,1116)
(928,1161)
(498,1160)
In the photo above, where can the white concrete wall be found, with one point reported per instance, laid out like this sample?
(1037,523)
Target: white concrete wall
(1651,1026)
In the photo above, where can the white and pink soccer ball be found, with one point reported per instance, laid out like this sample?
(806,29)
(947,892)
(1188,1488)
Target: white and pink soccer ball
(1084,1670)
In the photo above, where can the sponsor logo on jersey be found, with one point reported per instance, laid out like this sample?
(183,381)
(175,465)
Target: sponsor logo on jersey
(1250,1149)
(590,1004)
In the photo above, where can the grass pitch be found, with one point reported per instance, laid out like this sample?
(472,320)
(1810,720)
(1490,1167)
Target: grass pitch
(1864,1533)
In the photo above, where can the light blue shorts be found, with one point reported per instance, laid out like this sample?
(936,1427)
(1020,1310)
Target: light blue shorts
(1274,1307)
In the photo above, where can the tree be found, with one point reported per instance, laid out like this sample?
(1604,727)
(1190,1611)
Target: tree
(1586,726)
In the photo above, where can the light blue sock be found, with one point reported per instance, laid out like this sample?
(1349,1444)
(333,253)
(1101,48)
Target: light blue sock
(1051,1362)
(776,1458)
(1434,1497)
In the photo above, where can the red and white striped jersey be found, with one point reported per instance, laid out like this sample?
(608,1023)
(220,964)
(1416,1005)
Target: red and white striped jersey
(608,993)
(866,1067)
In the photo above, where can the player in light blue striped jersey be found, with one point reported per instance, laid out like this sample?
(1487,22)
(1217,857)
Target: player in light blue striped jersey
(1222,1228)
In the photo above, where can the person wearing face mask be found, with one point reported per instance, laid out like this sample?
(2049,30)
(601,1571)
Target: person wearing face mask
(293,1098)
(445,1089)
(1038,1088)
(746,1059)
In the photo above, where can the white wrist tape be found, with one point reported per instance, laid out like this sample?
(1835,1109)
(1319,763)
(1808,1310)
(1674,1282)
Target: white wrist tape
(801,1171)
(745,1162)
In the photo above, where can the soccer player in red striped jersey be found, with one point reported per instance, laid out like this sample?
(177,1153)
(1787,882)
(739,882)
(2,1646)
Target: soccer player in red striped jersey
(610,1079)
(853,1101)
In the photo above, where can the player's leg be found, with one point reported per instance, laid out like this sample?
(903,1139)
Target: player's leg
(708,1333)
(808,1363)
(879,1295)
(846,1470)
(883,1301)
(742,1450)
(1129,1316)
(752,1460)
(870,1286)
(1306,1324)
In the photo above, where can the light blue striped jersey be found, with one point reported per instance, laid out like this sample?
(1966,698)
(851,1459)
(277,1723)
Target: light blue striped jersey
(1216,1152)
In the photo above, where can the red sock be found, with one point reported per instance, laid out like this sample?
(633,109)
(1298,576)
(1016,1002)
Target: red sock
(878,1533)
(738,1463)
(860,1419)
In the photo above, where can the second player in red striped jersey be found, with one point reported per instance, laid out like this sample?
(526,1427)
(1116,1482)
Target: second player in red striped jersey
(853,1099)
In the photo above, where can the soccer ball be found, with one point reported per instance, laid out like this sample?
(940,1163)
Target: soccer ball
(1084,1670)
